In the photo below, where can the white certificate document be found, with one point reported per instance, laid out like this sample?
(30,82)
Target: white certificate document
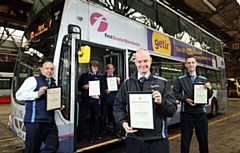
(94,87)
(141,110)
(112,83)
(200,94)
(53,99)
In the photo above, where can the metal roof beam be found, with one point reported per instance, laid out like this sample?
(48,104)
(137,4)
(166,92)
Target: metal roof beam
(11,18)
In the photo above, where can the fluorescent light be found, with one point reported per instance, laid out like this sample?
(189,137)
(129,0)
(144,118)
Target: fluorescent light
(238,2)
(210,5)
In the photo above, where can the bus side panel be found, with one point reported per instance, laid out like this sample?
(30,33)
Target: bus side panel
(66,139)
(16,119)
(222,99)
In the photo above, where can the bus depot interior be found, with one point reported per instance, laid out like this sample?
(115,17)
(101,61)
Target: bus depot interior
(50,38)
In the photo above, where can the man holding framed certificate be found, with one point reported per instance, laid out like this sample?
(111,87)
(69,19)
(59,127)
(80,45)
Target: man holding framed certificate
(112,84)
(39,118)
(143,103)
(193,90)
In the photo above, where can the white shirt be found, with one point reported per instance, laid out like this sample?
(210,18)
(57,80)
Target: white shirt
(146,76)
(110,75)
(26,91)
(195,75)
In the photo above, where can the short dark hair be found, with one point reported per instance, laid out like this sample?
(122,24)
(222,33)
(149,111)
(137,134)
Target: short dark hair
(94,63)
(190,56)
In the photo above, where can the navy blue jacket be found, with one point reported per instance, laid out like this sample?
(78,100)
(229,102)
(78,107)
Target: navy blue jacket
(183,89)
(166,109)
(85,77)
(35,111)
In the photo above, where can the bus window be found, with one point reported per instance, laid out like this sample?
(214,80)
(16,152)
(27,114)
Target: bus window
(5,87)
(65,74)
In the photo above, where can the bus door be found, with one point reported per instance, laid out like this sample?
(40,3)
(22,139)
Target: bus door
(72,54)
(104,56)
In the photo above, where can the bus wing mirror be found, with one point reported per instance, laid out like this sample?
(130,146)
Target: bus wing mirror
(84,54)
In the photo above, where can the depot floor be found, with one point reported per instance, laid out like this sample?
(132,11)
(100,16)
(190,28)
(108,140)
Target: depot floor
(223,132)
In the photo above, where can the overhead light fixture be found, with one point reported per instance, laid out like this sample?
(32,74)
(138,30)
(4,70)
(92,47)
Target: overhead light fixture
(238,2)
(210,5)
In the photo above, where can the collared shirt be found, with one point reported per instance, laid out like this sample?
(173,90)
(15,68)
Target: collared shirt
(93,73)
(146,76)
(195,75)
(109,75)
(26,91)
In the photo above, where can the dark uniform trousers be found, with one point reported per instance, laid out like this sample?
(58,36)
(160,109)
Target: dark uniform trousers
(107,109)
(41,132)
(94,121)
(188,120)
(148,146)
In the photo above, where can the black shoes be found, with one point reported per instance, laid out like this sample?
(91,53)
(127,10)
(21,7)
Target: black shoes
(100,137)
(91,141)
(116,136)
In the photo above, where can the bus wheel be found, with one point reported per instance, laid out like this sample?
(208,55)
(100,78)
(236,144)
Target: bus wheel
(214,109)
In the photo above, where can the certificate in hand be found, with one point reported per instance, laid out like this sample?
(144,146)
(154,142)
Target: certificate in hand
(94,87)
(53,98)
(141,110)
(200,93)
(112,83)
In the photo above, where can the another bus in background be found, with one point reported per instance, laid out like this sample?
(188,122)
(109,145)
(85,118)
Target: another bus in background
(231,87)
(237,86)
(5,87)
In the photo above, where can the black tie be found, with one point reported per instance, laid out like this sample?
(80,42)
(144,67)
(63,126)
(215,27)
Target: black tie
(93,75)
(142,79)
(49,82)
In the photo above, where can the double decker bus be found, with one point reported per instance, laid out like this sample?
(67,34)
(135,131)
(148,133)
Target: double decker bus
(60,30)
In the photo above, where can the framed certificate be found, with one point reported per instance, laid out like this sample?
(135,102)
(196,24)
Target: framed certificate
(94,87)
(112,83)
(53,98)
(200,94)
(141,110)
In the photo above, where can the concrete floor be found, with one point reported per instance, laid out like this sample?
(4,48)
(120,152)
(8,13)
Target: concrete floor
(9,142)
(224,133)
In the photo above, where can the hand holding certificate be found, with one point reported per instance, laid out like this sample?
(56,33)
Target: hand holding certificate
(112,83)
(94,87)
(141,115)
(200,94)
(53,100)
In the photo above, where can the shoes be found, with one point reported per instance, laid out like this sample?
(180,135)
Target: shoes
(116,136)
(100,137)
(91,141)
